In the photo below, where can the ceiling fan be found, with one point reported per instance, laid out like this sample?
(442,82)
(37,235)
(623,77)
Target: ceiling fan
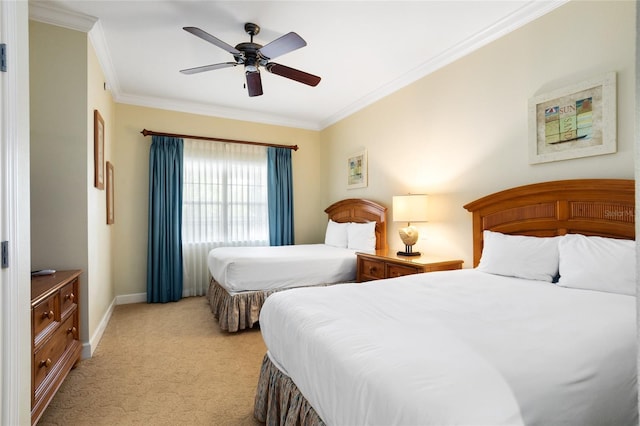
(253,56)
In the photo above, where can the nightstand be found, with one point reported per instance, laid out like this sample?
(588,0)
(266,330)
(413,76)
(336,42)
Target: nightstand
(385,264)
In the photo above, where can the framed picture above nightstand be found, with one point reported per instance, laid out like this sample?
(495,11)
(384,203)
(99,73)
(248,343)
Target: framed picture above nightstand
(385,264)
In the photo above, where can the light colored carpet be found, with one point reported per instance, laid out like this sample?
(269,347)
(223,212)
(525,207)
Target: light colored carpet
(163,364)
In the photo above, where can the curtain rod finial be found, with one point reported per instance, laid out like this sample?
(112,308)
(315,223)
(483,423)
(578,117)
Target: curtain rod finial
(144,132)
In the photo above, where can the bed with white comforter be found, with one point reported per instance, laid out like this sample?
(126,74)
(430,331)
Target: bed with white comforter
(239,269)
(541,332)
(243,277)
(457,347)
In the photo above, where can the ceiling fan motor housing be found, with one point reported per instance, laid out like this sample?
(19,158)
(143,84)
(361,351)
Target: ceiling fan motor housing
(250,56)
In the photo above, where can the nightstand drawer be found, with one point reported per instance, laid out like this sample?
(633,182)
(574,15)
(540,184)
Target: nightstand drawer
(394,271)
(371,269)
(444,266)
(384,265)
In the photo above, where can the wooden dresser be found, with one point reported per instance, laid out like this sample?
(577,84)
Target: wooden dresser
(384,264)
(55,332)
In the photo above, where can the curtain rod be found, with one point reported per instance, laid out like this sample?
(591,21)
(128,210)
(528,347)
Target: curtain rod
(146,132)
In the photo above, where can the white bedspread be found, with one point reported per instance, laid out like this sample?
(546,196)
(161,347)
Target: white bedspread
(264,268)
(457,347)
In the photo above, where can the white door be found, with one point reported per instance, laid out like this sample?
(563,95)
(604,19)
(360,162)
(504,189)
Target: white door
(15,329)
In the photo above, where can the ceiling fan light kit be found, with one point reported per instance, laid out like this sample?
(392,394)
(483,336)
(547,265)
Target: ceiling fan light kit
(253,56)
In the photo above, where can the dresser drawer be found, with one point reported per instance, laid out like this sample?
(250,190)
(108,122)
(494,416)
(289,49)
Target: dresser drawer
(68,293)
(371,269)
(70,327)
(45,359)
(45,314)
(394,271)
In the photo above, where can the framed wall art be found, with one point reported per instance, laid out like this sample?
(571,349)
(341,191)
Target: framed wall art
(573,122)
(110,182)
(98,149)
(357,170)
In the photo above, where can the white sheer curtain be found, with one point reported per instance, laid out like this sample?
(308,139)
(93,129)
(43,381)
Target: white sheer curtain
(224,204)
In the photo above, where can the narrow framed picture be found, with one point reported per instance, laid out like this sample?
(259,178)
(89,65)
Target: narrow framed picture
(110,200)
(98,149)
(573,122)
(357,170)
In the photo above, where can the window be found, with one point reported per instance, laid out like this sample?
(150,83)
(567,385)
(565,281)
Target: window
(224,203)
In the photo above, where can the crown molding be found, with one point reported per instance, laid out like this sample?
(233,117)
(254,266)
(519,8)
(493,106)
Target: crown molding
(215,111)
(55,15)
(526,14)
(99,42)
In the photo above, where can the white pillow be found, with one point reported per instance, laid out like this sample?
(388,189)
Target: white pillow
(532,258)
(361,236)
(598,263)
(336,234)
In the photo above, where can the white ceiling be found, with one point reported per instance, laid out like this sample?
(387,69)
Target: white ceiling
(363,50)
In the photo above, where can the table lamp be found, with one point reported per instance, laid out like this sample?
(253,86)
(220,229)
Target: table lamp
(409,208)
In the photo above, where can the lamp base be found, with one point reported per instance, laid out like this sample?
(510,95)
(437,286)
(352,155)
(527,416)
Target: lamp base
(409,253)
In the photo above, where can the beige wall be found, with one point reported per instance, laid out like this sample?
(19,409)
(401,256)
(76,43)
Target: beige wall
(68,214)
(461,132)
(58,86)
(59,150)
(101,291)
(131,162)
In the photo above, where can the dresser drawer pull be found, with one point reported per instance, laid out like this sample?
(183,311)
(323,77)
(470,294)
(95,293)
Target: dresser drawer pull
(70,297)
(47,315)
(372,269)
(71,330)
(46,363)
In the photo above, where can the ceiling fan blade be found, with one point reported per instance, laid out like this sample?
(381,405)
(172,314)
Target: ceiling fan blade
(208,68)
(285,44)
(211,39)
(254,83)
(293,74)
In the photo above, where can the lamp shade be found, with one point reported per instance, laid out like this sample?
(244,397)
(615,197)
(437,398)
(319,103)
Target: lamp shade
(410,208)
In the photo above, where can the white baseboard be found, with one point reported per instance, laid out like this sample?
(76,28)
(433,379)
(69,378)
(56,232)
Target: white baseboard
(131,298)
(89,348)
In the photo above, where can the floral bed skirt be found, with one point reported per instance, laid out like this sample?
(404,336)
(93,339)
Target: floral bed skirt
(239,311)
(279,402)
(235,312)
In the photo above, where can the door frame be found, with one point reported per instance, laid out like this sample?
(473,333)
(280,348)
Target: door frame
(15,281)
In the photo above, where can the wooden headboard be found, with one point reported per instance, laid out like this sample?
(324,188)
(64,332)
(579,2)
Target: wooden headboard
(603,207)
(361,211)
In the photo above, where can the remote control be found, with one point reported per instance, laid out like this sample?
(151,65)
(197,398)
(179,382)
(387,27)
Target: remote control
(43,272)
